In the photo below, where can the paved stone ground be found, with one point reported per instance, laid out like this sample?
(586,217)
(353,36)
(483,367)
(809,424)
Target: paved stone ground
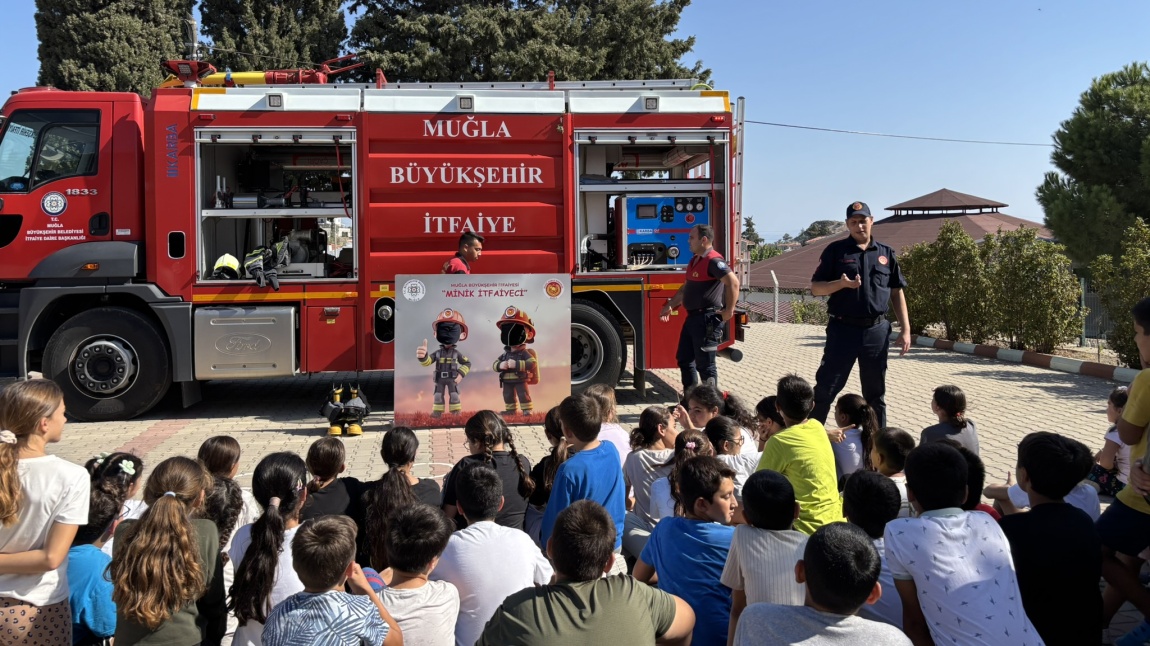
(1006,400)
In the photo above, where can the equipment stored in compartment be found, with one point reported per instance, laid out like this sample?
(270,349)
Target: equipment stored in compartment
(652,230)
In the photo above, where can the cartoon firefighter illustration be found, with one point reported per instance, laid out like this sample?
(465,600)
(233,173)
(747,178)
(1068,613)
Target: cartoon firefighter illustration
(518,366)
(451,365)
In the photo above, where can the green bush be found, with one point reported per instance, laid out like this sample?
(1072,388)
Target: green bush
(813,311)
(1012,286)
(947,283)
(1121,283)
(1035,294)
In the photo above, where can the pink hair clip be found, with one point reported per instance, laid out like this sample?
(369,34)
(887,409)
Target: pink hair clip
(690,445)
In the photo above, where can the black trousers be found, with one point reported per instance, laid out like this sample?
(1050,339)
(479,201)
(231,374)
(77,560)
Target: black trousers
(845,345)
(698,345)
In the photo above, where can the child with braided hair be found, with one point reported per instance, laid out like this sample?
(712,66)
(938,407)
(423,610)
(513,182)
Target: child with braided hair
(490,442)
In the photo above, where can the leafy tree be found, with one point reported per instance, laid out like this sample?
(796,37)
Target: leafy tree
(918,263)
(114,45)
(818,229)
(1035,294)
(1122,282)
(948,281)
(1102,153)
(749,233)
(786,238)
(520,40)
(258,34)
(765,251)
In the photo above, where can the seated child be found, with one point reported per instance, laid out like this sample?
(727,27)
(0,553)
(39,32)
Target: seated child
(323,555)
(859,425)
(1009,498)
(1057,552)
(89,591)
(871,500)
(840,568)
(704,402)
(769,419)
(949,404)
(764,551)
(952,568)
(705,491)
(802,453)
(726,437)
(652,445)
(127,469)
(609,428)
(543,475)
(424,610)
(490,442)
(594,472)
(891,446)
(327,493)
(583,606)
(1112,469)
(975,479)
(486,561)
(688,444)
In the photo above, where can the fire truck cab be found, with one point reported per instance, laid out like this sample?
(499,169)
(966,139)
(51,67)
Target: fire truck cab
(131,230)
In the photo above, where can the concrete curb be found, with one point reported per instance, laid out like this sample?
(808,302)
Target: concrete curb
(1073,366)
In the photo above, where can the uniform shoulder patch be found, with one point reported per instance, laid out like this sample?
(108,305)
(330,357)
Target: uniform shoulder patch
(722,266)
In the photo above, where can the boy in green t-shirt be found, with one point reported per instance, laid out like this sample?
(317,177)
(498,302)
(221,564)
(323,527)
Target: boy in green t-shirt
(803,454)
(1125,527)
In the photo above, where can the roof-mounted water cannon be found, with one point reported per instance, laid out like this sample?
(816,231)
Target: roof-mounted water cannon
(189,73)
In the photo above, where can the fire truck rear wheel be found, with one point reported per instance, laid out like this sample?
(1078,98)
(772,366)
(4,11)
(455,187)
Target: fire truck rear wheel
(597,350)
(111,362)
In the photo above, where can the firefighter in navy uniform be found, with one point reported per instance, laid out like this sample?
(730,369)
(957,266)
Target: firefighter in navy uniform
(518,366)
(709,295)
(862,277)
(451,365)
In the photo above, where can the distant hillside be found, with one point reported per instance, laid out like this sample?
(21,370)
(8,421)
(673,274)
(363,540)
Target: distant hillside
(817,229)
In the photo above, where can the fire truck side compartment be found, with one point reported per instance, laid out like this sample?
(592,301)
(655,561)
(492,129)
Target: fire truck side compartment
(245,342)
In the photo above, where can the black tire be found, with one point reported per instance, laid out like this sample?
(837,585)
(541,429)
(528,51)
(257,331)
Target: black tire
(124,356)
(598,353)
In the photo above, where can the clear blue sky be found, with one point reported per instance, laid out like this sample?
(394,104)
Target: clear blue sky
(979,69)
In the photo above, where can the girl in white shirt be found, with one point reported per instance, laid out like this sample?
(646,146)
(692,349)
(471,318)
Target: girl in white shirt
(262,551)
(609,428)
(688,444)
(652,444)
(859,425)
(43,501)
(891,446)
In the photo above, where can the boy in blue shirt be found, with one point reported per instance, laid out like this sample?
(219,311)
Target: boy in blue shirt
(593,473)
(686,554)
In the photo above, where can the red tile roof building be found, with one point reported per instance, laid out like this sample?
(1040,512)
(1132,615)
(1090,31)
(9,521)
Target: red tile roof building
(914,221)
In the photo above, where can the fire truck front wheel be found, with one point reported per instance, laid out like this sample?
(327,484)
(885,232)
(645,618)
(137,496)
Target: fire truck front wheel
(111,362)
(597,350)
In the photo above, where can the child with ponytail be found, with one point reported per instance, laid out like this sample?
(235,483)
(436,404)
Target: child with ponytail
(491,443)
(262,551)
(859,426)
(397,489)
(688,444)
(121,474)
(543,475)
(652,444)
(327,493)
(43,501)
(705,402)
(163,562)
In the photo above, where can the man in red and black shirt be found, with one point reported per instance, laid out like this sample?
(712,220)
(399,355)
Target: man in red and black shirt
(470,248)
(709,296)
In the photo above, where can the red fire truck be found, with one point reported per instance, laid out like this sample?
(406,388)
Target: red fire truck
(125,222)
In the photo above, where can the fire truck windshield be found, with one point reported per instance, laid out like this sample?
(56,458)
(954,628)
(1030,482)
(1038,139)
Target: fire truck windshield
(57,143)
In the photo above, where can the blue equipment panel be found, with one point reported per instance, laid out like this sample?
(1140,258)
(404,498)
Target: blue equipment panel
(653,229)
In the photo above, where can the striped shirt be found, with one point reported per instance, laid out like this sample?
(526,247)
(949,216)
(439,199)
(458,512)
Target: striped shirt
(762,563)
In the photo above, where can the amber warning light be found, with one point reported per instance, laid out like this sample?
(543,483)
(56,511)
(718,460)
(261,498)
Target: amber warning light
(91,266)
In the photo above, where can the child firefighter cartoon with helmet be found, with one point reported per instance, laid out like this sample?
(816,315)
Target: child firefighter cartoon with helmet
(451,365)
(518,366)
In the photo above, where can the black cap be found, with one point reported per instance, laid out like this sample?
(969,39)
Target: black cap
(858,208)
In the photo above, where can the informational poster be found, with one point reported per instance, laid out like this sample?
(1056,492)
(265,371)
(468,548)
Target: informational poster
(465,343)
